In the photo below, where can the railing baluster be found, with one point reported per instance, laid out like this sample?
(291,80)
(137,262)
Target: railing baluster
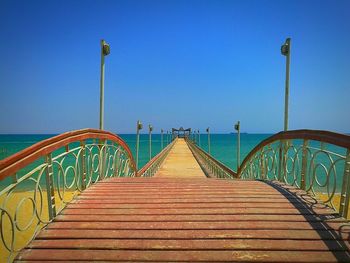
(50,190)
(102,149)
(345,193)
(83,165)
(304,165)
(262,167)
(280,160)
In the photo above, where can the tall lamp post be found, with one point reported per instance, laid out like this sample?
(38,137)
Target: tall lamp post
(138,128)
(208,131)
(199,139)
(150,129)
(285,50)
(105,50)
(238,129)
(161,138)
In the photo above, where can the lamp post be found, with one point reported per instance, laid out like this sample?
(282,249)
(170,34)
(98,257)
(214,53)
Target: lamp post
(150,129)
(285,50)
(138,128)
(238,129)
(105,50)
(199,139)
(208,131)
(161,138)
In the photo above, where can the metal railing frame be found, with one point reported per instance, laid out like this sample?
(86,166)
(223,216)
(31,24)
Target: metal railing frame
(292,158)
(62,166)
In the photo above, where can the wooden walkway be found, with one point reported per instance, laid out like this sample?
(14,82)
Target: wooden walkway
(172,217)
(180,163)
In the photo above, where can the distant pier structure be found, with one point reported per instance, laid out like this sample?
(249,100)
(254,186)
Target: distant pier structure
(181,133)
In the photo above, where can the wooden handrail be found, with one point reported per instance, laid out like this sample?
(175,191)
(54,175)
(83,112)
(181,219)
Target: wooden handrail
(337,139)
(13,163)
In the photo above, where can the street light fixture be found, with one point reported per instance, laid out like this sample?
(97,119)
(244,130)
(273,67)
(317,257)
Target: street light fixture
(199,138)
(150,129)
(161,138)
(208,131)
(285,50)
(238,129)
(105,50)
(138,128)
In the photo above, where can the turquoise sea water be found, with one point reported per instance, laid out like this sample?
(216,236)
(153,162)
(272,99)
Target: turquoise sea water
(223,148)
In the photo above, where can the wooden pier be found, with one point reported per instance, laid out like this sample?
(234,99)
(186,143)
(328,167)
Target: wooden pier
(181,215)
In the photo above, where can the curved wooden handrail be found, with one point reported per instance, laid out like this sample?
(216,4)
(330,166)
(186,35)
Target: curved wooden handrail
(218,163)
(13,163)
(337,139)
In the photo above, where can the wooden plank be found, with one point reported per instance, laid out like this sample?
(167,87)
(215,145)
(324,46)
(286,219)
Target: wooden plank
(202,218)
(189,205)
(193,234)
(195,225)
(146,255)
(177,199)
(192,244)
(183,211)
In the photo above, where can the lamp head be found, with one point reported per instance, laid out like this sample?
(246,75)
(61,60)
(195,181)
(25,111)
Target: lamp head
(237,126)
(105,48)
(285,48)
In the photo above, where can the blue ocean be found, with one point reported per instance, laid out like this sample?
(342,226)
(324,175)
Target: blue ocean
(223,146)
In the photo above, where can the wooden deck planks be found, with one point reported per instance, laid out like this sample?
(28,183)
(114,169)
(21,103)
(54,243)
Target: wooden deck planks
(197,219)
(192,229)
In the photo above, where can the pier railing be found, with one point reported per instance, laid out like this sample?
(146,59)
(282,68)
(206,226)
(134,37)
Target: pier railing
(39,181)
(211,166)
(315,161)
(154,164)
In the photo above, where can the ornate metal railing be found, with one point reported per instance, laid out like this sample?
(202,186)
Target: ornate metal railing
(315,161)
(39,181)
(154,164)
(210,166)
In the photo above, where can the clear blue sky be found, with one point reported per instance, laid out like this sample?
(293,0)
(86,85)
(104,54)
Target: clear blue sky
(173,63)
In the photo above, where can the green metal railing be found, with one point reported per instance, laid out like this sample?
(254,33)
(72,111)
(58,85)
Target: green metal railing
(154,164)
(39,181)
(315,161)
(210,166)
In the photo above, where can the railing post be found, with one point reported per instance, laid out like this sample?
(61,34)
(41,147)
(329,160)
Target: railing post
(102,154)
(304,165)
(262,167)
(345,192)
(50,190)
(280,160)
(83,165)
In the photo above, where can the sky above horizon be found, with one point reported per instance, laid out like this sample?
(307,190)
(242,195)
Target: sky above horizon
(173,63)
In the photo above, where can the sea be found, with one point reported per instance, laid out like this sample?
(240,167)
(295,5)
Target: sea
(223,147)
